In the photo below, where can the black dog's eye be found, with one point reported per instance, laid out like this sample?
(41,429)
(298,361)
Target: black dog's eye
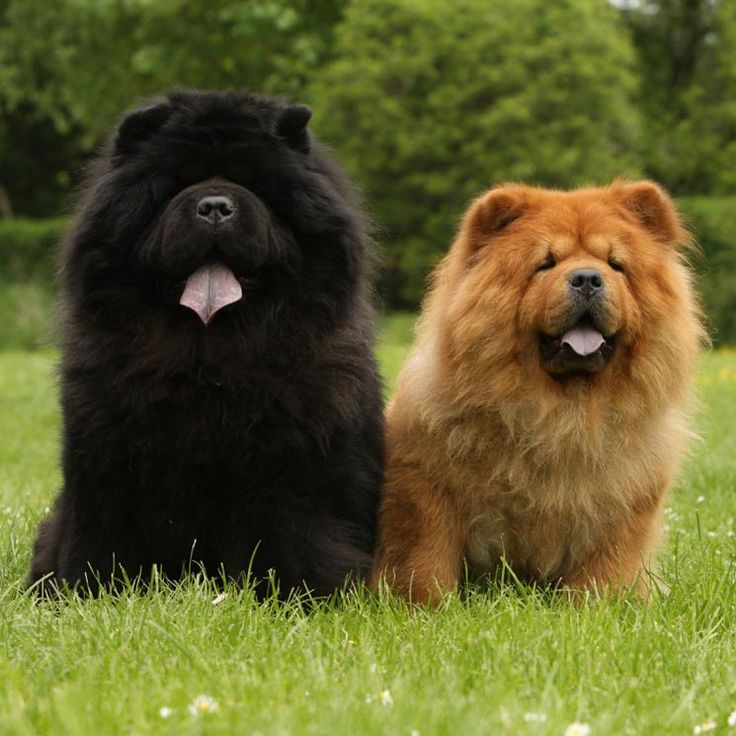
(549,263)
(616,265)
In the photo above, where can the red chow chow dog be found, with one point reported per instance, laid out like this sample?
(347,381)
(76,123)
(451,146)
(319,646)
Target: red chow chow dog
(545,408)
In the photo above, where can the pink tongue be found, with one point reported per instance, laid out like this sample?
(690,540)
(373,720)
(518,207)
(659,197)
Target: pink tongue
(209,289)
(583,340)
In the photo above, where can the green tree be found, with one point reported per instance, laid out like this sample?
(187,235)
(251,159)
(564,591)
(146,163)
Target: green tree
(429,102)
(715,111)
(74,65)
(687,53)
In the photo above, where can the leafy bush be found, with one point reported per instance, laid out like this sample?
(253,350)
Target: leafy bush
(27,255)
(28,248)
(713,220)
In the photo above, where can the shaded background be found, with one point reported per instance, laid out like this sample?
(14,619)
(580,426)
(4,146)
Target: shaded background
(426,102)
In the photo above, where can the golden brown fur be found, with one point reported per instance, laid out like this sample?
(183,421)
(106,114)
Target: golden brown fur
(494,447)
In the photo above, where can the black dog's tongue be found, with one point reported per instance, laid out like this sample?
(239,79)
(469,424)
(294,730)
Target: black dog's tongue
(583,339)
(209,289)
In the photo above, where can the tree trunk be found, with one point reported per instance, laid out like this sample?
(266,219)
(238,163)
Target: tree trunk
(6,211)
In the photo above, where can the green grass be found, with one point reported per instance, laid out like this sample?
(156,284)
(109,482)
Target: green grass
(26,315)
(489,664)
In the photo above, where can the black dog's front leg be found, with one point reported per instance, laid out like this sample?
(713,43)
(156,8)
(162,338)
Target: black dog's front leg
(82,548)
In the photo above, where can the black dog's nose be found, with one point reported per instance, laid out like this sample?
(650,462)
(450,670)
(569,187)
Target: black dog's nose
(586,281)
(215,209)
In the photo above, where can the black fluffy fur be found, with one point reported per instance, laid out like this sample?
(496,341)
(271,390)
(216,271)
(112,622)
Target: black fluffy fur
(252,443)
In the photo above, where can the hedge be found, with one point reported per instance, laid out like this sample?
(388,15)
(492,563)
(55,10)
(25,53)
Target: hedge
(28,248)
(27,256)
(713,220)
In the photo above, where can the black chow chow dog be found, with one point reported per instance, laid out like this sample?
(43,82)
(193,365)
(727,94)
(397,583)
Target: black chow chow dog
(221,403)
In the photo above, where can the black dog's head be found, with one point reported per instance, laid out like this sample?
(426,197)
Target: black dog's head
(217,207)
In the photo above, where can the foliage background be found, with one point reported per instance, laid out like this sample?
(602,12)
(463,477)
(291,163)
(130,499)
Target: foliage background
(425,102)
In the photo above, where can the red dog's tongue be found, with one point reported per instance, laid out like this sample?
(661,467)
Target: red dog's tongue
(209,289)
(583,340)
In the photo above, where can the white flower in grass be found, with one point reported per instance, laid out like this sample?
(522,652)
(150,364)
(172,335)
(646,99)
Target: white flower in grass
(704,727)
(700,499)
(535,717)
(386,698)
(732,719)
(203,705)
(578,729)
(165,712)
(219,599)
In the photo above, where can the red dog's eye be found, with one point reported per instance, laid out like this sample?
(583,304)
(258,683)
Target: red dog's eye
(616,265)
(549,263)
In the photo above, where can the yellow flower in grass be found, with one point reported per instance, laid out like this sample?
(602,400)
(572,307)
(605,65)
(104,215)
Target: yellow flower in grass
(203,705)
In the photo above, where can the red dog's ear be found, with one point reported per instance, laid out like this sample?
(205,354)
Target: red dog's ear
(491,214)
(654,210)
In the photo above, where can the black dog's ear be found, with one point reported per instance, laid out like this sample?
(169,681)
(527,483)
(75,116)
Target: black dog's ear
(140,124)
(292,127)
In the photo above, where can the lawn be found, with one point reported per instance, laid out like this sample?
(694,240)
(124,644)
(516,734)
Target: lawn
(507,659)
